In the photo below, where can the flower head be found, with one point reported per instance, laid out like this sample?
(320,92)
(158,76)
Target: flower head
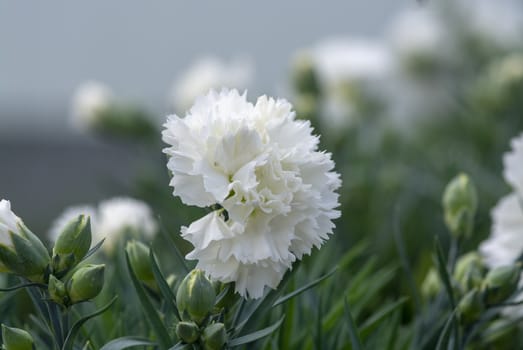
(89,100)
(210,73)
(513,162)
(122,215)
(273,191)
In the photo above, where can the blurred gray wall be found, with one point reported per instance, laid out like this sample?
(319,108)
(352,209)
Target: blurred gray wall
(138,48)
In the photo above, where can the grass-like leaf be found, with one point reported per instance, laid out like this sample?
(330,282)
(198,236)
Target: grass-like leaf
(23,285)
(444,336)
(157,325)
(304,288)
(171,241)
(126,342)
(93,249)
(181,346)
(249,338)
(166,291)
(69,340)
(353,330)
(371,324)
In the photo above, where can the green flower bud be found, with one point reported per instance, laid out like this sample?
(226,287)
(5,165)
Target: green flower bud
(500,283)
(72,244)
(140,262)
(471,306)
(460,203)
(469,271)
(500,335)
(57,291)
(189,332)
(24,254)
(16,339)
(195,297)
(214,336)
(86,283)
(431,285)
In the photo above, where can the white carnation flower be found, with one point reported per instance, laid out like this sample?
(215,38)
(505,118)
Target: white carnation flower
(70,214)
(513,162)
(121,215)
(89,99)
(275,190)
(210,73)
(505,243)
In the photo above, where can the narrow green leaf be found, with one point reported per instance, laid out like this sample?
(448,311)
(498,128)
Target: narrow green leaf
(304,288)
(177,252)
(166,291)
(23,285)
(444,336)
(126,342)
(249,338)
(353,330)
(444,274)
(369,325)
(93,249)
(157,325)
(69,340)
(222,294)
(266,301)
(404,259)
(181,346)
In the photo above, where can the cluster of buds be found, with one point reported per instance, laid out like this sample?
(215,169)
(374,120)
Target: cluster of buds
(195,298)
(16,339)
(69,283)
(480,289)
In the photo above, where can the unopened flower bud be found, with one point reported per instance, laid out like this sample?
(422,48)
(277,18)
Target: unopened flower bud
(214,336)
(57,291)
(431,285)
(471,306)
(86,283)
(500,283)
(16,339)
(460,203)
(21,251)
(189,332)
(500,335)
(140,262)
(195,297)
(72,244)
(469,271)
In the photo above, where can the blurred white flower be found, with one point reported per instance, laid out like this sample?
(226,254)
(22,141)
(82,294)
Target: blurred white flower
(274,190)
(89,99)
(9,222)
(500,22)
(420,35)
(349,71)
(68,215)
(210,73)
(505,243)
(513,164)
(120,216)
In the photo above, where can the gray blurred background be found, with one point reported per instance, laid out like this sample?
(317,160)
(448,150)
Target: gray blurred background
(138,48)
